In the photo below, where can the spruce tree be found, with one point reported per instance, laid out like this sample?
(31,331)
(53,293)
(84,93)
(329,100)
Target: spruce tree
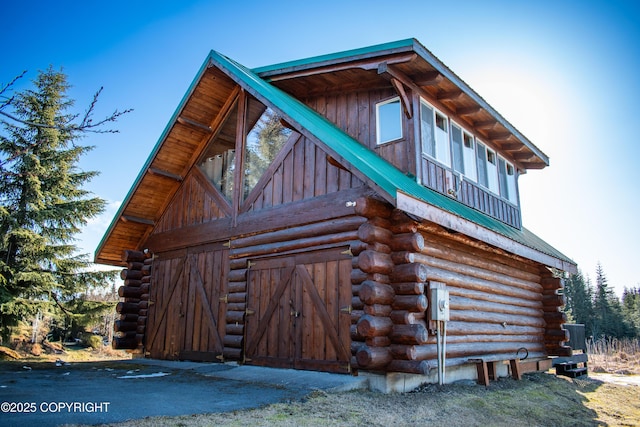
(578,300)
(43,204)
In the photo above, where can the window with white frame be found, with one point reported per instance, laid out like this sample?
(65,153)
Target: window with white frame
(507,177)
(487,167)
(434,129)
(463,150)
(388,121)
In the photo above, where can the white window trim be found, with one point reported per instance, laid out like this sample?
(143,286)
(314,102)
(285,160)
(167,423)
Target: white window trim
(378,133)
(474,163)
(448,152)
(512,185)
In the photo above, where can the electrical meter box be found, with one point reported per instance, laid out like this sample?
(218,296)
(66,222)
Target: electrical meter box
(439,301)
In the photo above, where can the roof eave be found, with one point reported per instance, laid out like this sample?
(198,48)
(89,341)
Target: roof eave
(97,258)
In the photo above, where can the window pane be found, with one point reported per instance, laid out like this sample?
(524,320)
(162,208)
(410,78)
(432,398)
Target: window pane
(492,172)
(456,148)
(482,165)
(389,121)
(426,130)
(218,160)
(442,140)
(469,156)
(511,184)
(502,173)
(264,140)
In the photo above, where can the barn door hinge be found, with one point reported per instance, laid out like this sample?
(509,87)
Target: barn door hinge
(246,359)
(347,367)
(220,357)
(227,244)
(250,264)
(225,298)
(347,252)
(347,309)
(249,312)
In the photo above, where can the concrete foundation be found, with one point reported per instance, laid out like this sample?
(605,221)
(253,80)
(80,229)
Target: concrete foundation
(396,382)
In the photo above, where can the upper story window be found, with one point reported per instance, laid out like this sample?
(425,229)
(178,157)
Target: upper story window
(434,133)
(388,120)
(507,177)
(463,150)
(265,136)
(487,168)
(218,160)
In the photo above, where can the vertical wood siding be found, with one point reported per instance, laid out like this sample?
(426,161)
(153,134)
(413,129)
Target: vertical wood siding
(442,180)
(195,202)
(301,172)
(187,319)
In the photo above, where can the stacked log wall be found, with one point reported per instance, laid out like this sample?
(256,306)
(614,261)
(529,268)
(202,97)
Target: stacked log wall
(502,306)
(132,310)
(409,280)
(555,337)
(497,305)
(373,294)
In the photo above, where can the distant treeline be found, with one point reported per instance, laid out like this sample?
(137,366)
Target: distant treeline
(600,309)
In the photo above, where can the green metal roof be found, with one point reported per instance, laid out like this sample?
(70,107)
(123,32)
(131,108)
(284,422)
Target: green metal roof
(374,168)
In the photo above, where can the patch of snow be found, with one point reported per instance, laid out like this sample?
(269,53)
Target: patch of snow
(156,374)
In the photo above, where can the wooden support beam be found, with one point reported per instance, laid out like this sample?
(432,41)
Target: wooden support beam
(194,124)
(511,146)
(144,221)
(450,96)
(166,174)
(432,78)
(522,156)
(485,125)
(467,111)
(406,101)
(398,82)
(499,136)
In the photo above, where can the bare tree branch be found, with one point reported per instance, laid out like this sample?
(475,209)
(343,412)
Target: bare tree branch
(86,125)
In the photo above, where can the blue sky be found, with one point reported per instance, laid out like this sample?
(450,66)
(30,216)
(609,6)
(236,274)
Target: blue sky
(562,72)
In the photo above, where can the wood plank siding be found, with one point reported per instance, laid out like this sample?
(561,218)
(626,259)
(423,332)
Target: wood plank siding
(441,179)
(355,113)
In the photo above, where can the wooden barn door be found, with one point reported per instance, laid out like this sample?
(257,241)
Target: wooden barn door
(299,315)
(187,320)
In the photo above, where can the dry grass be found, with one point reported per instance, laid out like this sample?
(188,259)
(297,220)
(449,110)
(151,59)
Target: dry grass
(614,356)
(52,351)
(538,400)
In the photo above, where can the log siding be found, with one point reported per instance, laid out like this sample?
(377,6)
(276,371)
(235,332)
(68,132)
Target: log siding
(501,306)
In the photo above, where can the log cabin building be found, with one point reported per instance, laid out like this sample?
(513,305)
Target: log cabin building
(353,212)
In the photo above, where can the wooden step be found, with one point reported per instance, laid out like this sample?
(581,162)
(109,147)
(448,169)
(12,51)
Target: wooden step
(573,373)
